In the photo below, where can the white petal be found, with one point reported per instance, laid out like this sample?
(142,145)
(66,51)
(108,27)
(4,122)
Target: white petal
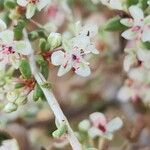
(63,70)
(89,30)
(116,4)
(2,25)
(83,71)
(22,47)
(81,41)
(114,125)
(137,14)
(7,36)
(129,34)
(22,3)
(129,60)
(143,54)
(31,8)
(127,22)
(138,74)
(57,58)
(146,34)
(91,48)
(124,94)
(147,20)
(94,132)
(98,118)
(42,3)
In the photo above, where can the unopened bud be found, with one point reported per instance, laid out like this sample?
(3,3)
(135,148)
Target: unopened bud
(10,107)
(84,125)
(12,96)
(55,40)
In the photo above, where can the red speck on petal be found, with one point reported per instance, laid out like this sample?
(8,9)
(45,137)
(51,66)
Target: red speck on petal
(102,128)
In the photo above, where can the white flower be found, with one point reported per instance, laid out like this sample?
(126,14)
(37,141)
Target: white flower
(148,2)
(76,50)
(71,59)
(101,128)
(10,49)
(140,26)
(114,4)
(32,5)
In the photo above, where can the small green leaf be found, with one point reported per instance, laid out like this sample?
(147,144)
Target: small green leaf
(38,93)
(33,35)
(19,85)
(9,4)
(114,24)
(44,69)
(146,45)
(132,2)
(25,69)
(42,44)
(18,30)
(46,85)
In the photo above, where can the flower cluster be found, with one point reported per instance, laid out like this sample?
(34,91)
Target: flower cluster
(76,52)
(10,50)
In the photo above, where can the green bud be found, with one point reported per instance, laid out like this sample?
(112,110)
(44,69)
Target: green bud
(114,24)
(33,35)
(21,100)
(84,125)
(25,69)
(12,96)
(39,59)
(55,40)
(10,107)
(10,4)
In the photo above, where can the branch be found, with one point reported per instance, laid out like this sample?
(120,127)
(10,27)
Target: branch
(51,98)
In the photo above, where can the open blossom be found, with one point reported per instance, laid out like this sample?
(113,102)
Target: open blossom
(10,49)
(140,26)
(114,4)
(99,126)
(75,54)
(131,92)
(32,5)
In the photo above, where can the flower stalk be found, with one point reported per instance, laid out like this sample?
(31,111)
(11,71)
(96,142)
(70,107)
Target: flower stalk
(61,118)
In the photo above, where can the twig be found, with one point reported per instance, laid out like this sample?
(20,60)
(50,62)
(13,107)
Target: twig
(51,98)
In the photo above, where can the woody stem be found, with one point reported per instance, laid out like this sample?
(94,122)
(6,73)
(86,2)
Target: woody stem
(55,107)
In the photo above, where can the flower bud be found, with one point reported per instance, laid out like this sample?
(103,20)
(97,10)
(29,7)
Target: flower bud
(10,107)
(54,39)
(12,96)
(84,125)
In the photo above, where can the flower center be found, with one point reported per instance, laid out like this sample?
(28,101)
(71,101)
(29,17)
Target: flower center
(7,50)
(136,28)
(102,128)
